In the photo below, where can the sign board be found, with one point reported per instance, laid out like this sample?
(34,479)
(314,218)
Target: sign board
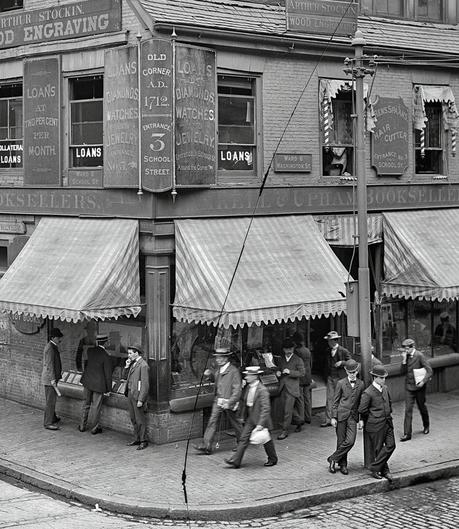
(195,114)
(121,118)
(292,163)
(11,154)
(389,140)
(59,22)
(12,227)
(42,121)
(326,17)
(156,120)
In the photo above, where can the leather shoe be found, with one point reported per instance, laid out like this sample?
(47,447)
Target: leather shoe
(376,475)
(387,475)
(52,427)
(405,438)
(343,469)
(133,443)
(203,449)
(231,463)
(331,466)
(270,463)
(142,446)
(425,431)
(298,428)
(326,423)
(282,435)
(96,430)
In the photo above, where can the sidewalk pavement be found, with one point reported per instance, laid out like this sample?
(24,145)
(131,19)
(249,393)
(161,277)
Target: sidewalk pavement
(102,469)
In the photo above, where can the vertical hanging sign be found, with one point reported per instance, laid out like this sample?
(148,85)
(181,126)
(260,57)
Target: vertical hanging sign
(195,112)
(121,117)
(156,78)
(42,122)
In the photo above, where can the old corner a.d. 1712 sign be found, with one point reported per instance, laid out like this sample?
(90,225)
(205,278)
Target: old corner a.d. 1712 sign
(389,153)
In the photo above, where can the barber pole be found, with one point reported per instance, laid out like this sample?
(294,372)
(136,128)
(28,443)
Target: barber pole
(453,142)
(326,122)
(423,142)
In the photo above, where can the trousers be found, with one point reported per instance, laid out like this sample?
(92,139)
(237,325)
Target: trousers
(92,406)
(418,396)
(244,443)
(346,432)
(138,418)
(382,446)
(50,406)
(212,425)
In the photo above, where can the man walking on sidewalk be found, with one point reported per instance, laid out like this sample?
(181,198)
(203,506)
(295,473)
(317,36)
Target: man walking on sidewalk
(345,415)
(96,381)
(414,363)
(256,410)
(50,376)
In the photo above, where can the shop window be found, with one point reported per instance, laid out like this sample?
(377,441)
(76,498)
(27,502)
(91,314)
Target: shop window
(86,122)
(11,132)
(3,257)
(237,125)
(8,5)
(337,133)
(429,142)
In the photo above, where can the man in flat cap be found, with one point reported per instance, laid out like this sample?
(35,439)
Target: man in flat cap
(290,368)
(256,411)
(345,415)
(417,373)
(376,410)
(97,382)
(334,370)
(50,376)
(137,388)
(228,387)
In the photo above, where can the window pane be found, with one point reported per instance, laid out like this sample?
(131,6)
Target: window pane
(4,119)
(235,120)
(430,9)
(433,128)
(87,88)
(445,333)
(87,123)
(87,134)
(11,154)
(7,5)
(430,163)
(15,118)
(388,7)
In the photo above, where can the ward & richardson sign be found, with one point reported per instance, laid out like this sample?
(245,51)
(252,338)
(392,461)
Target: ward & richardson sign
(60,22)
(325,17)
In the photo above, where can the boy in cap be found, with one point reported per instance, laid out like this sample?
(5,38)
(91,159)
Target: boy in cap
(256,410)
(290,368)
(376,409)
(96,381)
(345,415)
(336,358)
(414,391)
(50,376)
(228,387)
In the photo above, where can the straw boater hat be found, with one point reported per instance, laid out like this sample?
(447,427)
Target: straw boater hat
(222,351)
(379,371)
(252,370)
(351,366)
(408,342)
(332,335)
(101,338)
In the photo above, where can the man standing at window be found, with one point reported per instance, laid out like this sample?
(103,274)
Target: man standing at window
(50,376)
(336,358)
(415,386)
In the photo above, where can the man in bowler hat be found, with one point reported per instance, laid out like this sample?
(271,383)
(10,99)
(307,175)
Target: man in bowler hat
(137,388)
(336,357)
(256,410)
(228,389)
(96,381)
(345,415)
(50,376)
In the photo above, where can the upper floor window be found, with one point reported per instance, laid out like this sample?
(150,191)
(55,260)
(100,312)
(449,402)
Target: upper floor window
(11,132)
(429,10)
(424,10)
(86,121)
(429,142)
(8,5)
(237,136)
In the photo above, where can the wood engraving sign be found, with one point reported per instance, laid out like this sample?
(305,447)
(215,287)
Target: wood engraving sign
(195,111)
(59,22)
(389,140)
(156,85)
(121,118)
(42,121)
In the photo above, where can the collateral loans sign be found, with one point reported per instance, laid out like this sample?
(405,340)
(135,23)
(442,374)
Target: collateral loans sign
(60,22)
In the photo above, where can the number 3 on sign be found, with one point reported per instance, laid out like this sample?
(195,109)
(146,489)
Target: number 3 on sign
(158,144)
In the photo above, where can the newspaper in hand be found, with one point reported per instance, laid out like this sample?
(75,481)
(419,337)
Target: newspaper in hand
(419,374)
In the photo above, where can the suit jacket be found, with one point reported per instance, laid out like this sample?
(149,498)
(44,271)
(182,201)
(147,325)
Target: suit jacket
(138,381)
(341,355)
(416,362)
(52,366)
(375,408)
(347,400)
(260,412)
(291,382)
(305,354)
(97,374)
(228,385)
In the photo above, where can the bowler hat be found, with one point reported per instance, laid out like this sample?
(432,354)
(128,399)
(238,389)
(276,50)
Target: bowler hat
(137,348)
(332,335)
(409,342)
(351,366)
(379,371)
(55,333)
(288,343)
(101,337)
(222,351)
(252,370)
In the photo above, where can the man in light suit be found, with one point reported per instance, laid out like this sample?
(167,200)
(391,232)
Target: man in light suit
(137,388)
(96,381)
(290,368)
(345,415)
(256,410)
(50,376)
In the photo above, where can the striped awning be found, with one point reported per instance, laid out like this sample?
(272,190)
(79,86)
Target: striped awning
(287,271)
(75,269)
(421,254)
(342,230)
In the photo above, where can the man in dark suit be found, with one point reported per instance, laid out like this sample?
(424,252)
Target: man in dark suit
(304,401)
(256,411)
(97,381)
(336,357)
(50,376)
(414,391)
(137,388)
(376,409)
(290,368)
(345,415)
